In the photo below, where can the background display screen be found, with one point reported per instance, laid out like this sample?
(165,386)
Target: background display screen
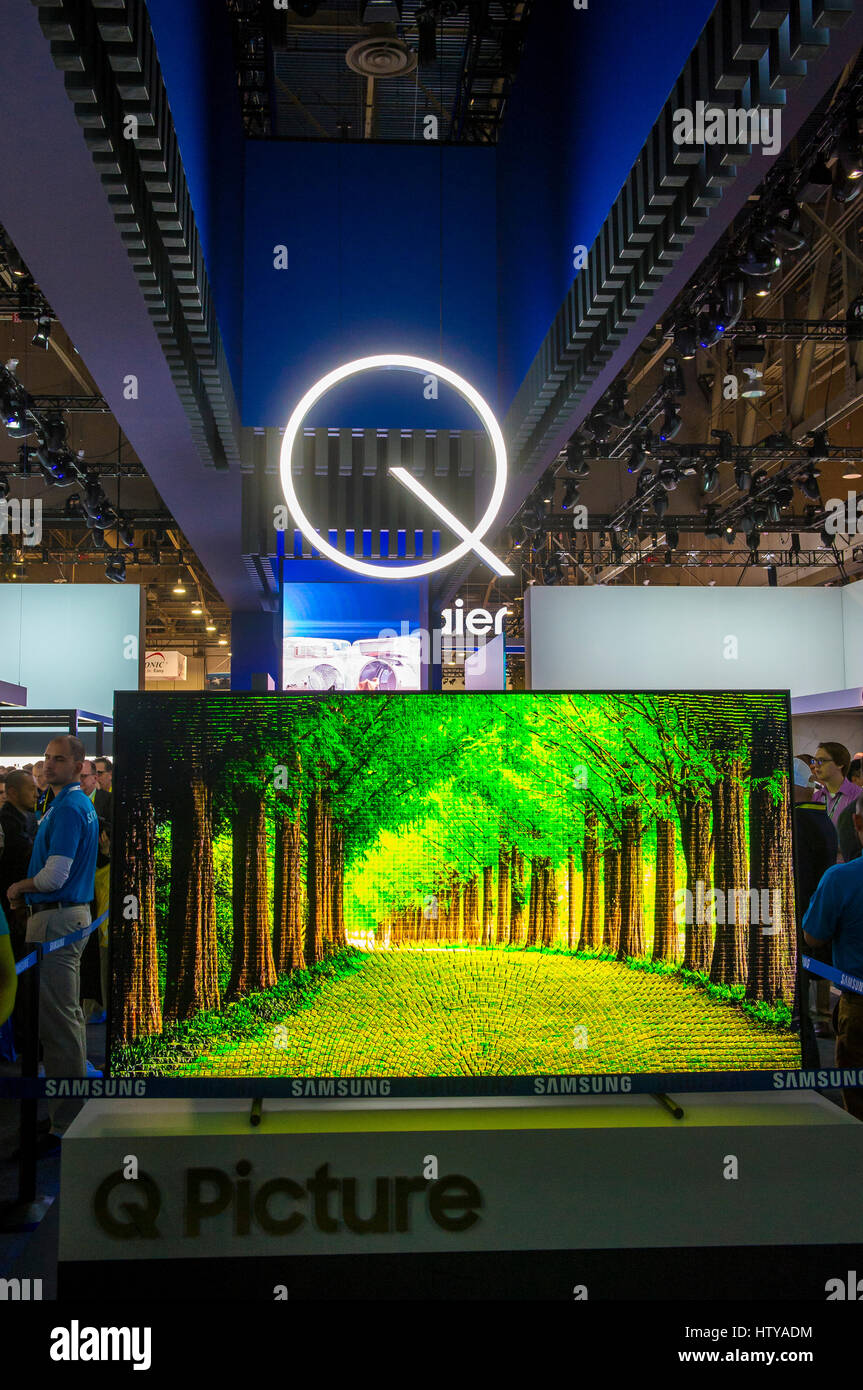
(545,893)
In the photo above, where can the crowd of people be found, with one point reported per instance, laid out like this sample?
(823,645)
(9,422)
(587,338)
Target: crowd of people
(55,853)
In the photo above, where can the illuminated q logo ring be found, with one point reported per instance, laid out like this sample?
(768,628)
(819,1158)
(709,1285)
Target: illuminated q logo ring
(471,539)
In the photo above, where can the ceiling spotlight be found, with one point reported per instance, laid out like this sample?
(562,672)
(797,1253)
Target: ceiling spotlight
(671,421)
(223,641)
(854,318)
(848,150)
(570,495)
(711,325)
(845,188)
(668,475)
(125,532)
(774,511)
(686,339)
(753,388)
(115,569)
(763,289)
(784,229)
(576,463)
(808,484)
(743,476)
(820,446)
(817,181)
(637,458)
(660,502)
(197,612)
(759,258)
(712,530)
(673,373)
(672,538)
(211,627)
(709,478)
(851,470)
(14,408)
(730,533)
(178,588)
(42,335)
(732,292)
(726,452)
(784,494)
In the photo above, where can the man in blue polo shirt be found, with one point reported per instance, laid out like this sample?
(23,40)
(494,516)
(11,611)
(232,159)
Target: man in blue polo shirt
(58,893)
(835,914)
(8,978)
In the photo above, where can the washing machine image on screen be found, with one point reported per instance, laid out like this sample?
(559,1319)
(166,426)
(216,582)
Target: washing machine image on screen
(316,663)
(387,663)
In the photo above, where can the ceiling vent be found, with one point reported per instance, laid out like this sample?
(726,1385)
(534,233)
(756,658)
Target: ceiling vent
(381,55)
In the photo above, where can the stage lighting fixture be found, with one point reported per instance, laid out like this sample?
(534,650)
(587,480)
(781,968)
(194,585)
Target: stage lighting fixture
(637,459)
(808,484)
(743,476)
(669,558)
(672,538)
(827,539)
(784,228)
(845,189)
(753,389)
(712,530)
(14,410)
(570,496)
(115,569)
(612,408)
(711,325)
(854,319)
(709,478)
(784,494)
(851,470)
(687,464)
(645,482)
(660,502)
(125,532)
(686,339)
(732,292)
(848,150)
(795,543)
(730,534)
(817,180)
(747,521)
(671,421)
(726,452)
(820,446)
(72,505)
(760,258)
(673,372)
(668,475)
(760,514)
(774,511)
(98,538)
(379,11)
(42,336)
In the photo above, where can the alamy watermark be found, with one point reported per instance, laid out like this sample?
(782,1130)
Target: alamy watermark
(22,518)
(757,906)
(721,125)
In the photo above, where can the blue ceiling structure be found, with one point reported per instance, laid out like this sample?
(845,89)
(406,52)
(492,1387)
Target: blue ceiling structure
(153,225)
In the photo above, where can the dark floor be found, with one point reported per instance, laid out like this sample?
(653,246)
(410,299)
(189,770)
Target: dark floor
(33,1254)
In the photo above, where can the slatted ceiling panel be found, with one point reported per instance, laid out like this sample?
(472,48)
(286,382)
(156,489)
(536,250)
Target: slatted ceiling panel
(339,510)
(394,449)
(441,454)
(322,451)
(370,452)
(466,455)
(273,450)
(346,453)
(418,453)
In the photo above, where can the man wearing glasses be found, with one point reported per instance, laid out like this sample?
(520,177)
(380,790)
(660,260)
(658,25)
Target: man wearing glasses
(58,893)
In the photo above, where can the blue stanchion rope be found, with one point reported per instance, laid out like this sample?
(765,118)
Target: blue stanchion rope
(45,948)
(829,972)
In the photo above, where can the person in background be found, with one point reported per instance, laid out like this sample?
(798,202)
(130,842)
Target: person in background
(835,915)
(830,770)
(105,773)
(59,889)
(89,783)
(817,848)
(46,792)
(8,978)
(18,826)
(855,771)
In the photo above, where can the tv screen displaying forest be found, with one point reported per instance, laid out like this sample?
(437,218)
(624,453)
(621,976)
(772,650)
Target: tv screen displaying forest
(453,889)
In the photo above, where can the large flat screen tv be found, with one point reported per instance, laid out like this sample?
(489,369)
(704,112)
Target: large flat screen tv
(429,894)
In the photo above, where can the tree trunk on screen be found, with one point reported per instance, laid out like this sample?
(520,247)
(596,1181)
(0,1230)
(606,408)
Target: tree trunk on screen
(631,886)
(516,911)
(664,925)
(252,965)
(288,952)
(471,910)
(192,963)
(136,1009)
(694,811)
(340,939)
(591,921)
(570,899)
(314,883)
(772,937)
(729,964)
(549,902)
(611,889)
(534,923)
(503,895)
(487,905)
